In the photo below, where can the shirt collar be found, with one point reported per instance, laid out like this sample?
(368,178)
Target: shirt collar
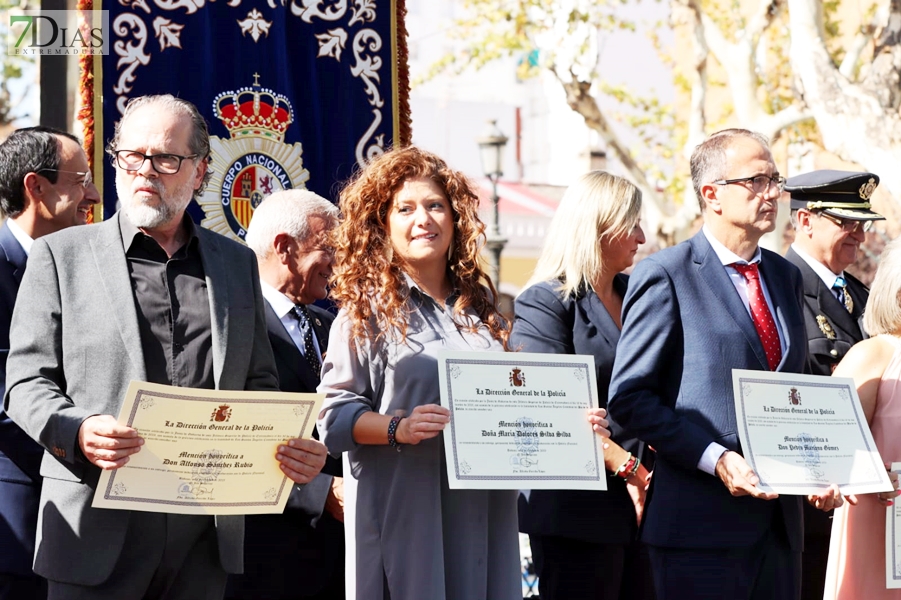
(23,238)
(130,231)
(413,286)
(819,268)
(279,302)
(726,256)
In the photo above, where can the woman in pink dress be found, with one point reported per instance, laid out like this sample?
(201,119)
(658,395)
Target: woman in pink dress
(856,568)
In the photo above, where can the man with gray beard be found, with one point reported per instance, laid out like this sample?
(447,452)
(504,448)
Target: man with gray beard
(144,296)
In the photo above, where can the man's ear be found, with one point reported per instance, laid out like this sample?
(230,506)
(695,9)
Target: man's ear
(805,221)
(35,187)
(283,246)
(709,193)
(202,167)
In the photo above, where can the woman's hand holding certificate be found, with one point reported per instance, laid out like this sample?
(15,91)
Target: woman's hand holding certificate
(518,421)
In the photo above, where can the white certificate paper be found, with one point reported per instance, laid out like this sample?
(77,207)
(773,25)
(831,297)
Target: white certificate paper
(893,541)
(519,421)
(206,452)
(801,433)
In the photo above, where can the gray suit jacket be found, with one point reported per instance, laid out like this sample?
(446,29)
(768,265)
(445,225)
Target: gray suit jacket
(75,348)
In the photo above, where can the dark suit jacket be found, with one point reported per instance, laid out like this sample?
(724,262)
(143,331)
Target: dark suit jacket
(20,456)
(685,329)
(824,353)
(547,322)
(295,554)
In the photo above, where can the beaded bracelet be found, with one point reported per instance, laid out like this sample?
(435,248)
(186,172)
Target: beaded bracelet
(392,431)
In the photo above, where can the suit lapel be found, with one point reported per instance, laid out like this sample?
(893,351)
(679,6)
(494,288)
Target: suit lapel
(109,258)
(218,283)
(602,320)
(287,353)
(782,296)
(835,310)
(714,276)
(825,301)
(860,293)
(321,330)
(15,254)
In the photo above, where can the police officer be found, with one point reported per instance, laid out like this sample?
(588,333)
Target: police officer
(831,215)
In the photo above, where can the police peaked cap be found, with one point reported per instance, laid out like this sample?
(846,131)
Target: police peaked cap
(843,194)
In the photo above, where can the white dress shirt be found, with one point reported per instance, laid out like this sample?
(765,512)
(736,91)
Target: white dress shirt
(23,238)
(821,270)
(713,452)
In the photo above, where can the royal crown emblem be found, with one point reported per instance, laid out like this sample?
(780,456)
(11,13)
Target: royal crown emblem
(867,189)
(254,161)
(254,111)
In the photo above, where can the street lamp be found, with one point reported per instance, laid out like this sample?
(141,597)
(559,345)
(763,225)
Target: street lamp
(491,151)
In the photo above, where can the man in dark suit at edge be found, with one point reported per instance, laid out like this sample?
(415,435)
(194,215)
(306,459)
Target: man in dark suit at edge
(298,554)
(692,313)
(831,214)
(45,186)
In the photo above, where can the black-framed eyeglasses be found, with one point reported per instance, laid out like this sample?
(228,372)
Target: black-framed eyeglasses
(86,177)
(164,164)
(849,225)
(759,184)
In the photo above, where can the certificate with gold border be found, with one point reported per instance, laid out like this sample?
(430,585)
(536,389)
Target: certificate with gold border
(802,433)
(519,421)
(206,452)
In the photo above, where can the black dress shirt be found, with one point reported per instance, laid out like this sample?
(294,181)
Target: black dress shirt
(173,308)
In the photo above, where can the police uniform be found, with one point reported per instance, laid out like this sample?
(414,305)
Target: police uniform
(833,315)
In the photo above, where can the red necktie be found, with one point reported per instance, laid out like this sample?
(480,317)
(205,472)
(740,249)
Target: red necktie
(761,315)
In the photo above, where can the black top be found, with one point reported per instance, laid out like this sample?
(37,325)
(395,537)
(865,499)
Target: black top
(831,329)
(547,321)
(173,308)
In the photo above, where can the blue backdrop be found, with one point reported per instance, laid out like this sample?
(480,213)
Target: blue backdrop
(297,93)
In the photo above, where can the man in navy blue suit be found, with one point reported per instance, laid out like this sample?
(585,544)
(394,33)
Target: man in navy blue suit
(693,313)
(45,186)
(300,553)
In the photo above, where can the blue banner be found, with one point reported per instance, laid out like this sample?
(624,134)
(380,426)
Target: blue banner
(297,93)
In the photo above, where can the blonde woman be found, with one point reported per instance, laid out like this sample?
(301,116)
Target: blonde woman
(409,283)
(585,543)
(856,567)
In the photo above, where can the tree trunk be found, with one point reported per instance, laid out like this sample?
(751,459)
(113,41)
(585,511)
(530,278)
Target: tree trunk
(853,120)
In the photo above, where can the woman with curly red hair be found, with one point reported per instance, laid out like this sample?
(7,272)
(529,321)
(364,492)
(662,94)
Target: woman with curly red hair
(408,282)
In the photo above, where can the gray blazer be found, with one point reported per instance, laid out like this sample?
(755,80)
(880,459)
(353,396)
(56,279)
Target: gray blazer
(75,348)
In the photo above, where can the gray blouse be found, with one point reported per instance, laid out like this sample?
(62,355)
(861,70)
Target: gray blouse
(410,537)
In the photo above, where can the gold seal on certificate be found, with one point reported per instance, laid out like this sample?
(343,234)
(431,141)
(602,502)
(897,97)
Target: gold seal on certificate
(206,452)
(801,433)
(519,421)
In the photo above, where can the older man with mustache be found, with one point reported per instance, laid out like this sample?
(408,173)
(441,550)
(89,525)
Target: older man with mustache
(181,306)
